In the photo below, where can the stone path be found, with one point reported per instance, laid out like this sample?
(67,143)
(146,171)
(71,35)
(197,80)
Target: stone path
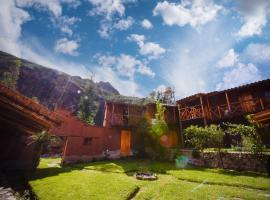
(6,193)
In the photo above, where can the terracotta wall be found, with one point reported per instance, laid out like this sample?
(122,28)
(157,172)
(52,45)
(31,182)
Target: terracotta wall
(77,132)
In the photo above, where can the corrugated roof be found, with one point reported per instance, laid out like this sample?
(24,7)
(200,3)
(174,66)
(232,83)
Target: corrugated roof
(227,90)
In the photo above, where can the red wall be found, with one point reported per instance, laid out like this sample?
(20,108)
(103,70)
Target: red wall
(75,131)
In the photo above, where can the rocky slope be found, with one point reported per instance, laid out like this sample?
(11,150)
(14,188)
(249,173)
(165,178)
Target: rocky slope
(53,88)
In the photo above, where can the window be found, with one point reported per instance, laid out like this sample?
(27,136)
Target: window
(87,141)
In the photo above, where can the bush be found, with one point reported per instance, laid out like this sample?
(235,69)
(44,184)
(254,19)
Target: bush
(198,137)
(250,137)
(205,137)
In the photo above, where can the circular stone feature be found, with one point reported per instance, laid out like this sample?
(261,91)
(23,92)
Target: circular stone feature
(146,176)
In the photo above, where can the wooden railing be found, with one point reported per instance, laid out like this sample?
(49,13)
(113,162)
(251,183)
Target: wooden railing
(223,111)
(193,112)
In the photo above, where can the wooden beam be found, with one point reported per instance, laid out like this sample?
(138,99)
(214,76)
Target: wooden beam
(228,102)
(203,113)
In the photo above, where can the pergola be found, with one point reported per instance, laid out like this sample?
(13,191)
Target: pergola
(19,118)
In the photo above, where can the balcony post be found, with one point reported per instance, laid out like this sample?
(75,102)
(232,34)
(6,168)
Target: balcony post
(181,128)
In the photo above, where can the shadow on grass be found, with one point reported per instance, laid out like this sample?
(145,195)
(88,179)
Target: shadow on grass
(129,167)
(47,172)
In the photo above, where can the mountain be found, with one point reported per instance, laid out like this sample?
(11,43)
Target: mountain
(53,88)
(56,89)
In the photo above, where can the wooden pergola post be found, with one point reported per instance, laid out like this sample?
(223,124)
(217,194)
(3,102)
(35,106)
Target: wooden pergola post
(203,113)
(228,102)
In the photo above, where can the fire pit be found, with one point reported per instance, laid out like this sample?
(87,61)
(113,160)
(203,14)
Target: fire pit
(146,176)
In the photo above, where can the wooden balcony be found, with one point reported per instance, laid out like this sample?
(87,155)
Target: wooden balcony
(233,109)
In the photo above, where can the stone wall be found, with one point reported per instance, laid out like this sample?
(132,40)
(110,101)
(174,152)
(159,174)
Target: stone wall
(235,161)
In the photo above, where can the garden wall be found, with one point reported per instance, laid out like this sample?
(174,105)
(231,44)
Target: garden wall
(234,160)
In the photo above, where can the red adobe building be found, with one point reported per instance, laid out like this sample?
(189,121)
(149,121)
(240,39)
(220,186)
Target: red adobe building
(116,138)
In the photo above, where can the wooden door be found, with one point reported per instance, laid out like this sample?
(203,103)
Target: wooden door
(125,142)
(246,102)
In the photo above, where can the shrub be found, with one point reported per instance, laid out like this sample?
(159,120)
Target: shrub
(197,137)
(250,137)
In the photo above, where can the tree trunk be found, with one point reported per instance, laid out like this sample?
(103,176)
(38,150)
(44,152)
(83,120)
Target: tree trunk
(36,156)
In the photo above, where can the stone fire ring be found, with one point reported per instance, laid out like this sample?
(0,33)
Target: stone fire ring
(149,176)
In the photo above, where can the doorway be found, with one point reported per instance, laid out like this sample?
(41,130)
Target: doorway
(125,142)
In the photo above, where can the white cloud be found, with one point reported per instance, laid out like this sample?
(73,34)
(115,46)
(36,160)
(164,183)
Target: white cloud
(107,8)
(160,88)
(124,24)
(107,27)
(126,87)
(53,6)
(65,23)
(125,65)
(150,49)
(194,13)
(240,75)
(229,60)
(43,57)
(189,65)
(255,15)
(11,20)
(66,46)
(112,13)
(257,53)
(146,24)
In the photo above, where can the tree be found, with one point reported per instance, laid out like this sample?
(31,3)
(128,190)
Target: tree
(39,140)
(151,131)
(88,106)
(159,126)
(11,77)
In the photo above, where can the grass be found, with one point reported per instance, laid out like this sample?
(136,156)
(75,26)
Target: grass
(114,180)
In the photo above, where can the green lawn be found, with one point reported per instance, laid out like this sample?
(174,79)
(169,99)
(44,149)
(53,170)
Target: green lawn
(114,180)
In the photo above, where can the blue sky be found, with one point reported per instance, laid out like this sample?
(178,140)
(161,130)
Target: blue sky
(143,45)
